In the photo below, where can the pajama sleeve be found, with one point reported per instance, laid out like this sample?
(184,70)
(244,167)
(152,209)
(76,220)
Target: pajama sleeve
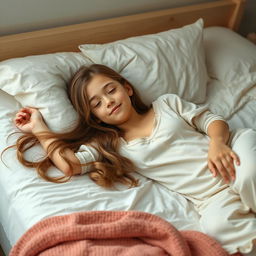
(86,154)
(198,116)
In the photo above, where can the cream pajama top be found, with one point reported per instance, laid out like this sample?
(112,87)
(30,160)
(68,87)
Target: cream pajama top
(175,154)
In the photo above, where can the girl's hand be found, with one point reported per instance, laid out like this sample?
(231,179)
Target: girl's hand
(28,119)
(221,160)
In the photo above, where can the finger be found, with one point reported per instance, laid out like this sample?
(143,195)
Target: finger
(19,125)
(19,113)
(17,122)
(26,110)
(228,164)
(221,169)
(235,157)
(23,116)
(212,169)
(18,118)
(26,115)
(225,167)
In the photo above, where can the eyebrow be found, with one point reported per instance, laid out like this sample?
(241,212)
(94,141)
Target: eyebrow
(103,88)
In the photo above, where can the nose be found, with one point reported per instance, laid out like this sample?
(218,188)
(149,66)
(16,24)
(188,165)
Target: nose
(109,101)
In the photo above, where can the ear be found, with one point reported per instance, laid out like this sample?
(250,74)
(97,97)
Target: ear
(129,89)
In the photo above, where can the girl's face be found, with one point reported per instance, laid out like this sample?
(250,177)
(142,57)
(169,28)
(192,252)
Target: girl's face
(109,100)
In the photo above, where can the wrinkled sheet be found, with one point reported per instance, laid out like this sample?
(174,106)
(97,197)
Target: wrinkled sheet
(26,199)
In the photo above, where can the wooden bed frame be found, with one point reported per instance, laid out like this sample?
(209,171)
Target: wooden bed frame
(226,13)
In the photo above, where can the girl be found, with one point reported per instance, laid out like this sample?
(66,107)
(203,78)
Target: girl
(173,142)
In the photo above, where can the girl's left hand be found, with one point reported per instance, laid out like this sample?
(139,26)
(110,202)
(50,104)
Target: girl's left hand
(221,160)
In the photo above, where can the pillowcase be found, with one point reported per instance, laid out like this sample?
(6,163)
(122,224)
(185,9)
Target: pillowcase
(40,81)
(231,64)
(168,62)
(229,56)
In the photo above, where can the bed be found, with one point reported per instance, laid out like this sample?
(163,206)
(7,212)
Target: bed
(229,88)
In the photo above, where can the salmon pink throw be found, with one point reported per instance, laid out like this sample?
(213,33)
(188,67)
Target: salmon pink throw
(108,233)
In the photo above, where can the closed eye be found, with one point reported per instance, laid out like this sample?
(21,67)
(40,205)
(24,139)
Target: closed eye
(97,105)
(111,91)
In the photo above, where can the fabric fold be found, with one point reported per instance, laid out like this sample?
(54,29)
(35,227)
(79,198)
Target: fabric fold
(112,233)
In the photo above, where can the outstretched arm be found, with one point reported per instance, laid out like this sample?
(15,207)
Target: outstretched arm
(221,157)
(30,120)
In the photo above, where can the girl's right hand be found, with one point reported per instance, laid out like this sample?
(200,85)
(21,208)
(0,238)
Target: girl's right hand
(27,119)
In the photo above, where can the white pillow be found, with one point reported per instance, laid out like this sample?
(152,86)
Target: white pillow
(168,62)
(229,56)
(40,81)
(231,64)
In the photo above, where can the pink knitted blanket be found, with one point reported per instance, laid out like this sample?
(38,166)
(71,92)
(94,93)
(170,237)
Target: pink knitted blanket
(108,233)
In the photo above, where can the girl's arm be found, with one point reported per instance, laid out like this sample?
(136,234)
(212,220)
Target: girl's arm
(220,156)
(30,120)
(55,156)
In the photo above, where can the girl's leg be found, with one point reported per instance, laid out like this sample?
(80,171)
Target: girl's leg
(245,183)
(227,219)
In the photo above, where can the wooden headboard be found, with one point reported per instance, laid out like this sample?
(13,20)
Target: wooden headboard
(226,13)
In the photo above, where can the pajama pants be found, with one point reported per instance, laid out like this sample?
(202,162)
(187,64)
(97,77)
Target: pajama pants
(230,215)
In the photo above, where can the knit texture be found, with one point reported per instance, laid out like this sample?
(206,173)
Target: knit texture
(108,233)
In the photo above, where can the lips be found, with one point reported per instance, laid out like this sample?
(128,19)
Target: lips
(113,109)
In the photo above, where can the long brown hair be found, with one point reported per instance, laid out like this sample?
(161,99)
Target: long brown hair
(111,166)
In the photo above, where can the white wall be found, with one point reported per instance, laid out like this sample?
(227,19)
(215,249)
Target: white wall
(26,15)
(18,16)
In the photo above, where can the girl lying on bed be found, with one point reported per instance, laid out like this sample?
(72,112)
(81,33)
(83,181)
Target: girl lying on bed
(183,146)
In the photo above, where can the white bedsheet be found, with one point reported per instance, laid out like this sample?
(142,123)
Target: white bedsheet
(245,117)
(25,199)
